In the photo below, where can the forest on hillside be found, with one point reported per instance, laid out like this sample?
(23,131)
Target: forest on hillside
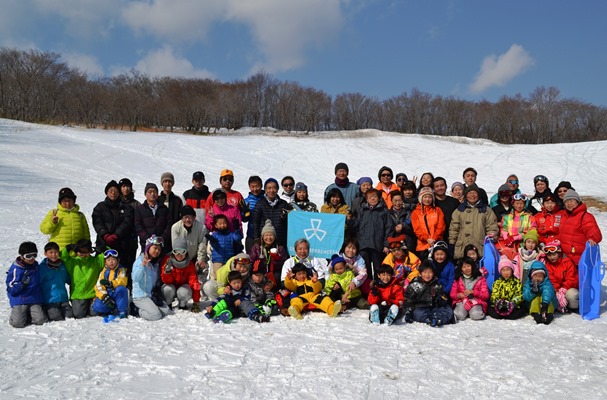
(36,86)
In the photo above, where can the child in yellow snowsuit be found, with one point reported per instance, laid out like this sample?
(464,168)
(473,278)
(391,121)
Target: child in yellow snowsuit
(308,290)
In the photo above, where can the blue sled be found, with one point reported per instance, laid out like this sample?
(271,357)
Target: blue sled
(591,273)
(490,261)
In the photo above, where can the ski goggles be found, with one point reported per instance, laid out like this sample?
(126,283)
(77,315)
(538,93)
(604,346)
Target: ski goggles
(551,249)
(180,252)
(540,178)
(513,182)
(441,243)
(158,240)
(242,260)
(396,246)
(519,196)
(110,253)
(30,256)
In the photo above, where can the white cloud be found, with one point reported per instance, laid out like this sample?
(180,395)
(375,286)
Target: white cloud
(498,71)
(282,30)
(84,62)
(163,62)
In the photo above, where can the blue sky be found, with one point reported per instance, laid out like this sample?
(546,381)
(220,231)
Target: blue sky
(467,49)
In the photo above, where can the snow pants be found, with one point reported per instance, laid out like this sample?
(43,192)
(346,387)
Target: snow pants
(149,311)
(120,295)
(421,314)
(24,314)
(83,308)
(183,294)
(476,312)
(319,301)
(58,311)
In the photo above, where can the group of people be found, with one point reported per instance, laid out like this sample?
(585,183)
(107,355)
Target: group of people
(411,251)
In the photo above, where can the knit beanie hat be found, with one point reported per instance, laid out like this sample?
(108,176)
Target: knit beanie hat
(336,259)
(572,194)
(125,182)
(66,192)
(505,262)
(268,228)
(167,176)
(533,235)
(382,169)
(269,180)
(424,191)
(504,188)
(471,188)
(300,186)
(364,179)
(536,271)
(342,165)
(180,243)
(112,184)
(186,210)
(149,186)
(456,184)
(27,247)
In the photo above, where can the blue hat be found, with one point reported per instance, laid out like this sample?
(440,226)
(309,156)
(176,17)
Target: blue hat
(363,180)
(270,180)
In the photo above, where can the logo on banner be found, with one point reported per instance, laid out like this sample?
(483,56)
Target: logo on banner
(315,230)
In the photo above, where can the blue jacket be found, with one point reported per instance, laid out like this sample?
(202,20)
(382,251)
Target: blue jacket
(52,282)
(446,276)
(250,202)
(546,289)
(144,277)
(18,294)
(223,245)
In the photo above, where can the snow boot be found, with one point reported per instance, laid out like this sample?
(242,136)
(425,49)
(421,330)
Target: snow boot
(374,315)
(392,313)
(224,317)
(294,313)
(195,308)
(336,309)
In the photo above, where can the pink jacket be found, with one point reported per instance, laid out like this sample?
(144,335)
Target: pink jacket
(229,211)
(481,291)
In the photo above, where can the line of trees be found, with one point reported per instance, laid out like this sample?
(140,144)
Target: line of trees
(37,86)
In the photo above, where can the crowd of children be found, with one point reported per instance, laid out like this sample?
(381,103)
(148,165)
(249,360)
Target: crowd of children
(397,260)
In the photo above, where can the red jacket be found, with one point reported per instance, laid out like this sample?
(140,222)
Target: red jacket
(181,276)
(428,222)
(392,293)
(481,291)
(563,273)
(577,227)
(548,225)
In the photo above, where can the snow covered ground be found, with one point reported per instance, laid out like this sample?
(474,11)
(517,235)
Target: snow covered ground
(186,356)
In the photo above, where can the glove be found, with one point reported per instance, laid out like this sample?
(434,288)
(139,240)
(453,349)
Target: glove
(274,255)
(375,291)
(106,283)
(509,241)
(408,318)
(110,239)
(25,280)
(503,306)
(168,268)
(108,302)
(544,308)
(535,287)
(235,223)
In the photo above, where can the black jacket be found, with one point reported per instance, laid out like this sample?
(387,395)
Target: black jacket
(113,217)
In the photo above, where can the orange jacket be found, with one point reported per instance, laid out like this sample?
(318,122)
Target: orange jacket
(428,222)
(386,195)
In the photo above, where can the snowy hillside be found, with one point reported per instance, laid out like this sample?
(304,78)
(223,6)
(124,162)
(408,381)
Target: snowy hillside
(186,356)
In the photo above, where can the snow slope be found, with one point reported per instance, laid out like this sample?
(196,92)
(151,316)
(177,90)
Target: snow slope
(185,356)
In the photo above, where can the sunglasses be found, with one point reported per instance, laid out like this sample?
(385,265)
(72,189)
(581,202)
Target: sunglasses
(227,178)
(180,251)
(513,182)
(519,196)
(396,246)
(399,179)
(110,253)
(30,256)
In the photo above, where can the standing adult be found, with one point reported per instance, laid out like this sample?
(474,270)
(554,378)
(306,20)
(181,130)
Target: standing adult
(255,194)
(578,226)
(400,179)
(385,185)
(153,218)
(193,231)
(167,197)
(273,208)
(65,224)
(347,188)
(446,203)
(233,197)
(471,223)
(504,203)
(372,227)
(561,190)
(127,196)
(542,187)
(114,222)
(364,183)
(196,197)
(288,189)
(469,176)
(428,222)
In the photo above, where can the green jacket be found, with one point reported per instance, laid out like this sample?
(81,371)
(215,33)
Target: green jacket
(344,280)
(84,274)
(70,228)
(511,290)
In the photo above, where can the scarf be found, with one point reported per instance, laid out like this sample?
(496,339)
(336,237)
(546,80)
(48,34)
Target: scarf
(271,202)
(342,183)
